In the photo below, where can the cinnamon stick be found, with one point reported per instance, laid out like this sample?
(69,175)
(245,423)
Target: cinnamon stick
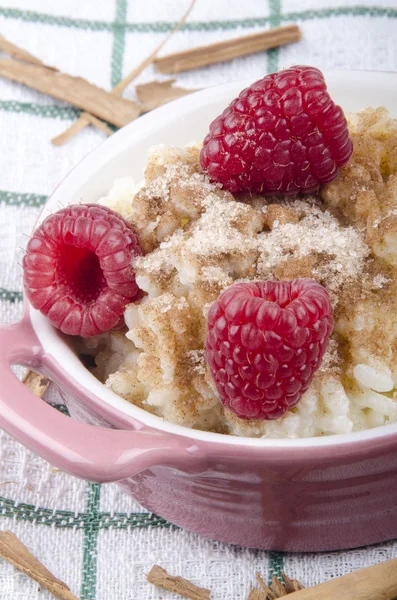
(159,576)
(202,56)
(378,581)
(84,120)
(75,90)
(18,53)
(277,589)
(291,585)
(156,93)
(15,552)
(120,87)
(36,383)
(256,594)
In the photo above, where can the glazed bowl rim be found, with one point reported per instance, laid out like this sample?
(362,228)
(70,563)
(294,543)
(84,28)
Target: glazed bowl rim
(65,359)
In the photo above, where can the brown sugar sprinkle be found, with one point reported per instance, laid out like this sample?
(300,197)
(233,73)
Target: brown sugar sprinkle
(317,244)
(199,239)
(332,360)
(224,241)
(195,361)
(276,214)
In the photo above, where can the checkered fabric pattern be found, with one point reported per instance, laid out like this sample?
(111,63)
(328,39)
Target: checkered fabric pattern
(94,537)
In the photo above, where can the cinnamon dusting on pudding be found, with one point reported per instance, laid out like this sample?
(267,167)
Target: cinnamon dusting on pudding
(199,239)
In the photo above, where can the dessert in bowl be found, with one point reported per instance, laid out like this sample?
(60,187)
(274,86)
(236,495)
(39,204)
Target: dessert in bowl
(199,240)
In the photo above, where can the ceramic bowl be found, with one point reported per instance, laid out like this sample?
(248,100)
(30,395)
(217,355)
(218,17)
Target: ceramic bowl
(297,495)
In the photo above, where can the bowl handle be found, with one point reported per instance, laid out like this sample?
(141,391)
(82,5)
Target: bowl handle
(86,451)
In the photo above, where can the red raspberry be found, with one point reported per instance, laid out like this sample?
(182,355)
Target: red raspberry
(282,135)
(77,269)
(265,341)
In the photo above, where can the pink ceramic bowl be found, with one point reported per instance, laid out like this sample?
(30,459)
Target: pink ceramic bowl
(306,494)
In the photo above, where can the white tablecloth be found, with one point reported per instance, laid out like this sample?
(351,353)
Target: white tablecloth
(94,537)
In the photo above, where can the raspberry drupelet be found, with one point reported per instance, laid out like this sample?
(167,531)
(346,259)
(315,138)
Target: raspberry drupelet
(266,339)
(282,135)
(77,269)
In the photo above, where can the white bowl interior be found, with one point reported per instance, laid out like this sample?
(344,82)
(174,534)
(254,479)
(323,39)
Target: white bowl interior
(125,154)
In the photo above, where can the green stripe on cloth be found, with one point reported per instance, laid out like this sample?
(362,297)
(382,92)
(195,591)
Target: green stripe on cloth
(166,26)
(275,16)
(88,584)
(67,519)
(61,407)
(10,296)
(118,42)
(31,16)
(276,565)
(341,11)
(22,199)
(49,111)
(107,520)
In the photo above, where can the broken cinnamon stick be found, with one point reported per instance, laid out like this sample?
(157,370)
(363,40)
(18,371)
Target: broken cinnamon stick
(159,576)
(75,127)
(15,552)
(36,383)
(277,589)
(156,93)
(256,594)
(291,585)
(120,87)
(202,56)
(99,124)
(75,90)
(18,53)
(378,581)
(84,120)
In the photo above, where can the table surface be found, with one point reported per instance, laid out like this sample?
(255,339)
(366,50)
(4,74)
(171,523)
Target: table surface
(94,537)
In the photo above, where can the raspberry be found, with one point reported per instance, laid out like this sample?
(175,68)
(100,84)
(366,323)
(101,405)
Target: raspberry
(77,269)
(282,135)
(265,341)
